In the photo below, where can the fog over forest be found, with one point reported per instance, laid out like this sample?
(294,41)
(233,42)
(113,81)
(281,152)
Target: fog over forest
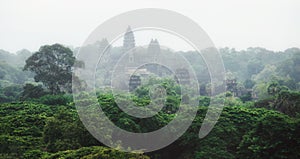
(262,96)
(149,94)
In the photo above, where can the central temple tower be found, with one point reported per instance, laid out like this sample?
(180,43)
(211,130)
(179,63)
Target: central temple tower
(129,44)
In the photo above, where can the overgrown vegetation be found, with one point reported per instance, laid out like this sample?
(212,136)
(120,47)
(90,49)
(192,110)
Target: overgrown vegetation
(39,120)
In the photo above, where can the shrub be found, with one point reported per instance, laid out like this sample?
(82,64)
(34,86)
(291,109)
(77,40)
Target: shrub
(56,99)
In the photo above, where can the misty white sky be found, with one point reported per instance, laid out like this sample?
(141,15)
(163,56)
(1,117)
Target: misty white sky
(234,23)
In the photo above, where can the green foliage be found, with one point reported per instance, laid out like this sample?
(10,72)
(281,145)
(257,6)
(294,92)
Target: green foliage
(21,127)
(288,102)
(204,101)
(10,74)
(274,88)
(31,130)
(229,137)
(254,66)
(274,136)
(246,97)
(52,65)
(65,131)
(33,154)
(28,130)
(94,152)
(31,91)
(283,100)
(291,67)
(55,99)
(47,126)
(11,79)
(2,73)
(233,101)
(10,93)
(250,62)
(130,123)
(249,83)
(17,59)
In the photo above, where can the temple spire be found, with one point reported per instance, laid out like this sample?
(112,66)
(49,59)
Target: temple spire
(128,42)
(154,49)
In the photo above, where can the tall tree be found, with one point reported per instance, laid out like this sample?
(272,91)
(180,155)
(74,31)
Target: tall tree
(254,66)
(52,66)
(291,67)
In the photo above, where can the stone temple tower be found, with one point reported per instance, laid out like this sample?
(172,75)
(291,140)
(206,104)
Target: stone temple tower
(154,50)
(153,53)
(129,44)
(104,49)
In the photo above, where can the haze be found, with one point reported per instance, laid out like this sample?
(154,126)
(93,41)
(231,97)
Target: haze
(239,24)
